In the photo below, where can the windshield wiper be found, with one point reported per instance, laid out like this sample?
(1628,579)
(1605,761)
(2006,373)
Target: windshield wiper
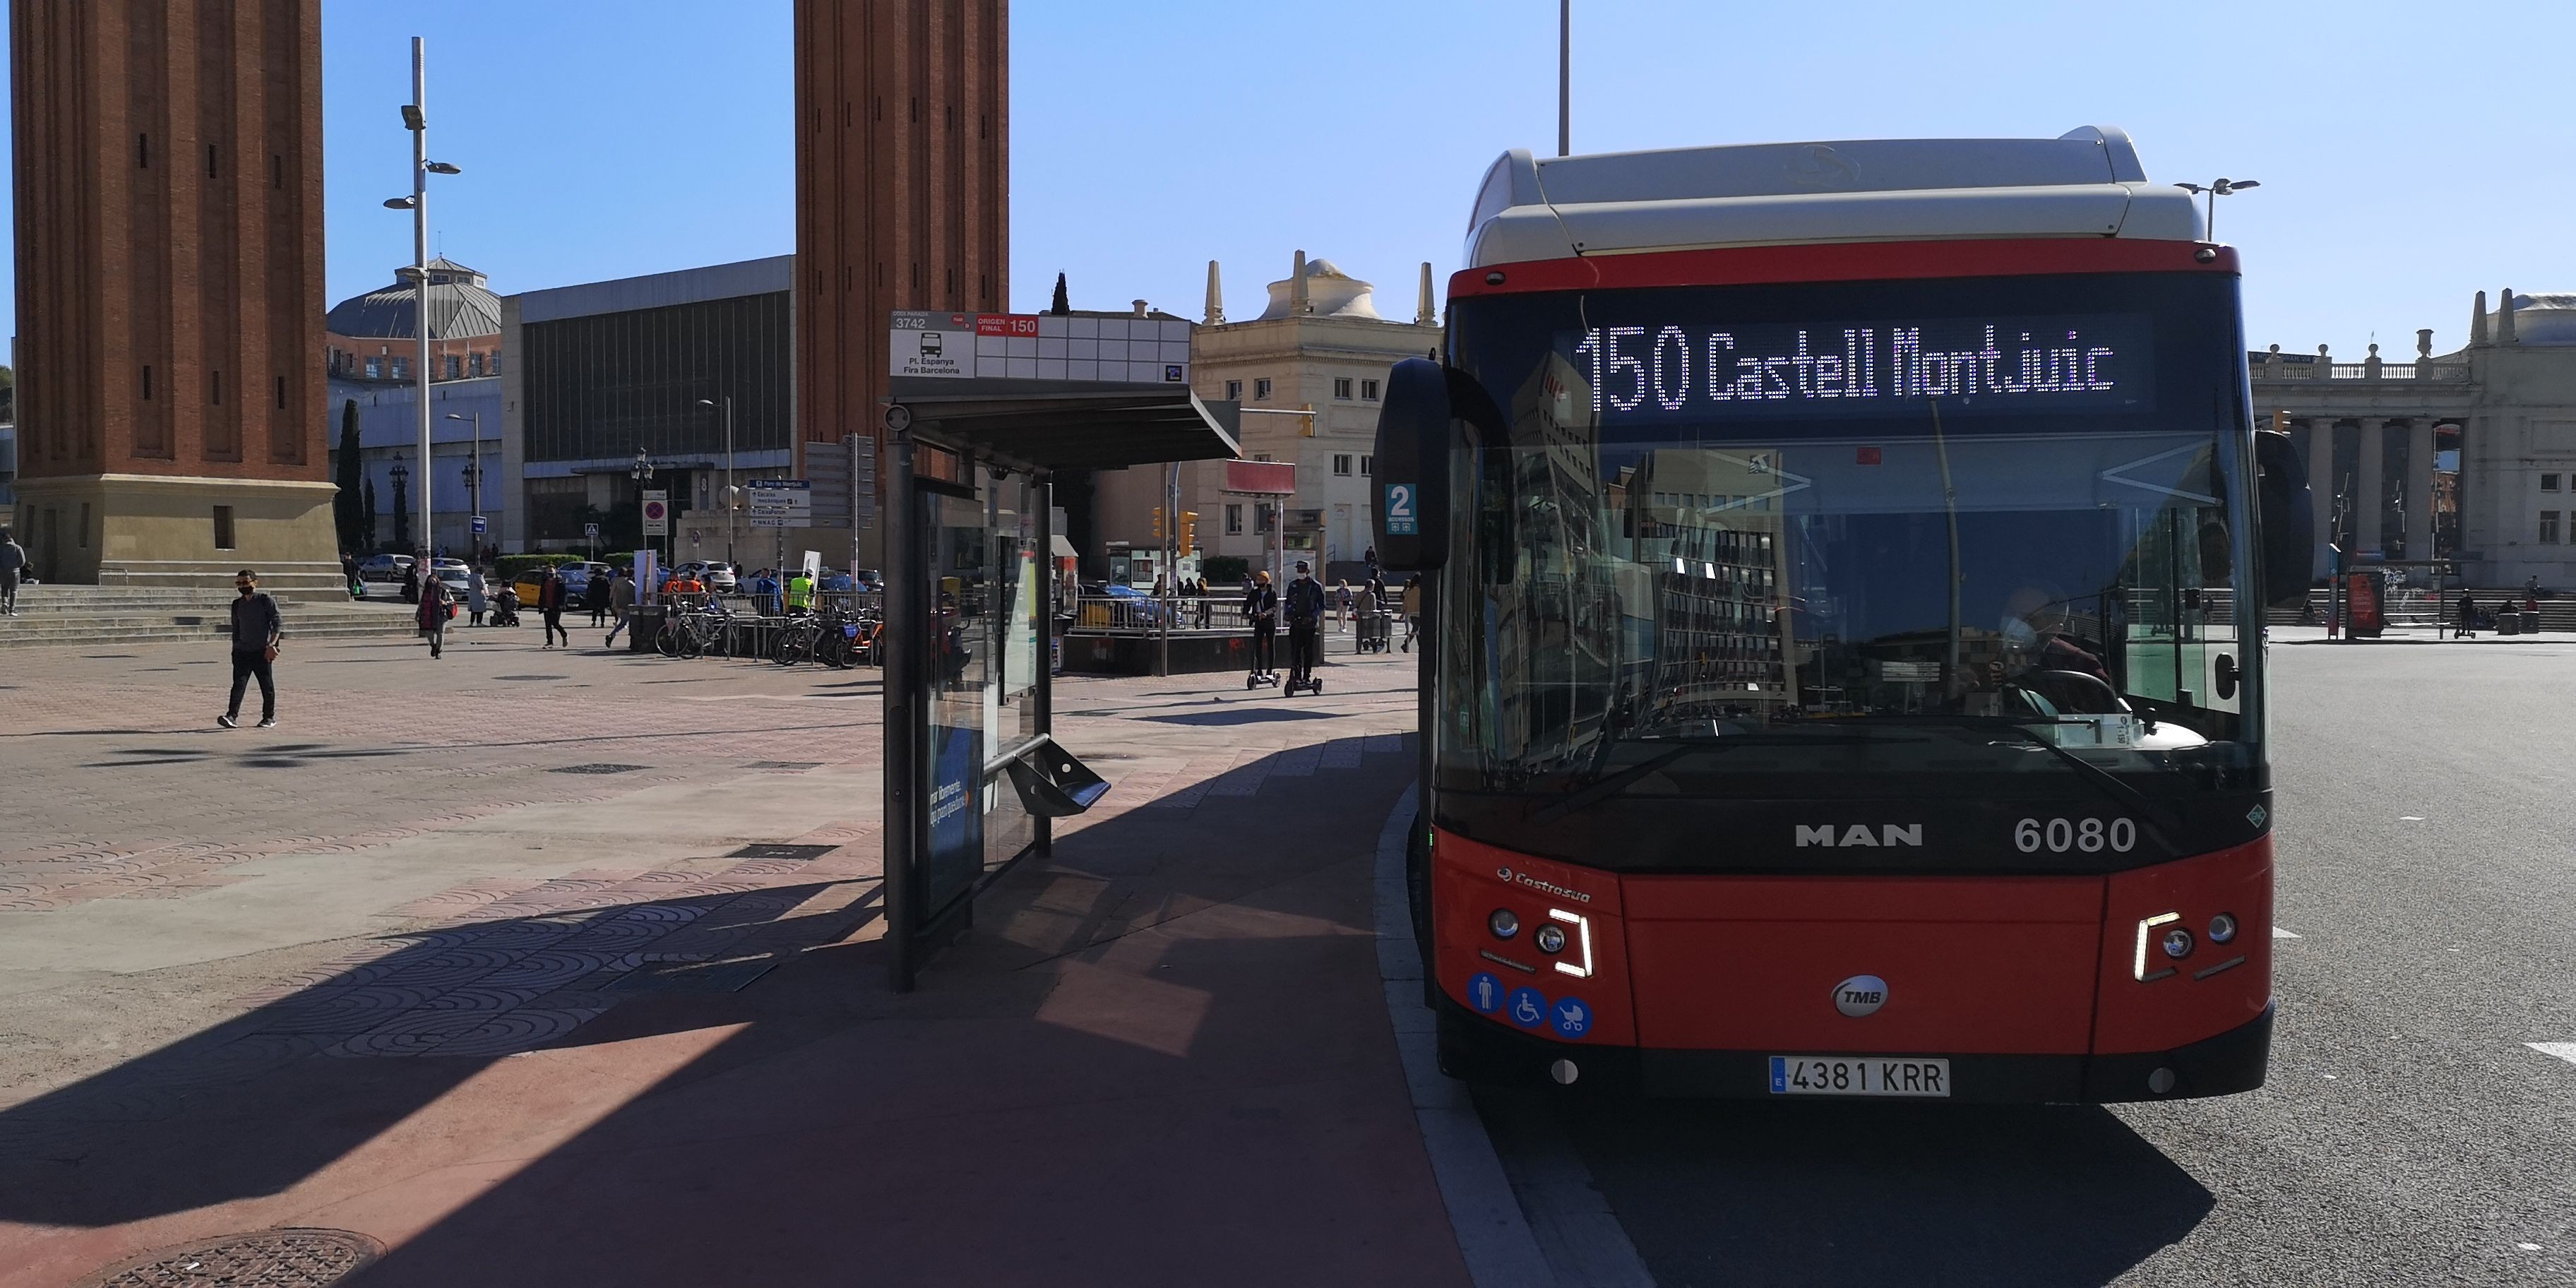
(2152,813)
(1633,774)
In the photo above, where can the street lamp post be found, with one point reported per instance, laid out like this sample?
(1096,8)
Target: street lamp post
(416,120)
(474,479)
(401,474)
(642,473)
(2218,188)
(728,487)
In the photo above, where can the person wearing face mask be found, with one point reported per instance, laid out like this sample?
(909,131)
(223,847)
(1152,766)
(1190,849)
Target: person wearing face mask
(1261,609)
(1305,623)
(257,626)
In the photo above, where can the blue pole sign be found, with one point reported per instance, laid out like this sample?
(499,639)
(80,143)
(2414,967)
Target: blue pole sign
(1402,519)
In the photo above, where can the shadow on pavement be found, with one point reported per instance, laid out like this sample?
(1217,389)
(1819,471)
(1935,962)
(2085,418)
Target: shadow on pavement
(331,1059)
(1872,1194)
(1160,1057)
(1239,716)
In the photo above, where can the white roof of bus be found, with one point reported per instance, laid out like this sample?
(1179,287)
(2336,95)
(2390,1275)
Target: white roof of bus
(2087,183)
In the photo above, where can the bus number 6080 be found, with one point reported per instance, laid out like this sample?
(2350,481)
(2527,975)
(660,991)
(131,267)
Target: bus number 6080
(2089,835)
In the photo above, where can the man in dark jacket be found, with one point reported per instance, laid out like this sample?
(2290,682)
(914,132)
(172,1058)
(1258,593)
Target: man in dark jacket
(1305,624)
(550,602)
(13,561)
(256,630)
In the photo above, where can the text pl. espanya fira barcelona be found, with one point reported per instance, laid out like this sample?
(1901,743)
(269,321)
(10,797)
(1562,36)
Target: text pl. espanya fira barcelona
(1781,369)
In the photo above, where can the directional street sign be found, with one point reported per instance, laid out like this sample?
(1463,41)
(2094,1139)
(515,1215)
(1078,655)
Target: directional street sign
(782,503)
(480,527)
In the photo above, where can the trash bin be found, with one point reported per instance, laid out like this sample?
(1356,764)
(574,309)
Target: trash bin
(646,627)
(2531,623)
(2508,622)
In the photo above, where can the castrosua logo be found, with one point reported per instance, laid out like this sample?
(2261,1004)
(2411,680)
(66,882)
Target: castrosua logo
(1544,887)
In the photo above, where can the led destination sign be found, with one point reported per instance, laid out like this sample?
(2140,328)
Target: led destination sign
(1769,371)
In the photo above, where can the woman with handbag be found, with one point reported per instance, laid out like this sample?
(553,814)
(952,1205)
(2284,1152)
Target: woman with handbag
(435,609)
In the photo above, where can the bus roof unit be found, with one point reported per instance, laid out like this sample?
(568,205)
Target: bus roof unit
(2087,183)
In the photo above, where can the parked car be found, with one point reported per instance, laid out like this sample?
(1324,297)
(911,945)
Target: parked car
(1108,605)
(384,567)
(715,574)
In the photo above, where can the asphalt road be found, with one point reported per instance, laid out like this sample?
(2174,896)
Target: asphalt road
(2410,1134)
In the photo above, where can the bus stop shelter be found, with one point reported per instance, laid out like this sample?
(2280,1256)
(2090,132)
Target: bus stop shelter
(973,774)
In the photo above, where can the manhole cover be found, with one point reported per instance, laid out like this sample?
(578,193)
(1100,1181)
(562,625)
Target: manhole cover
(291,1258)
(532,677)
(600,769)
(785,764)
(798,853)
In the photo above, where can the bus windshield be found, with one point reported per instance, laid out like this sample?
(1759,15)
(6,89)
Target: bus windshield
(1869,528)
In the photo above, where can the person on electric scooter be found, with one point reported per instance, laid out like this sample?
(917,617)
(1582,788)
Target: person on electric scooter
(1305,622)
(1261,608)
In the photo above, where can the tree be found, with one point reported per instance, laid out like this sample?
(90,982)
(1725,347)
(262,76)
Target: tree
(351,512)
(369,519)
(1061,305)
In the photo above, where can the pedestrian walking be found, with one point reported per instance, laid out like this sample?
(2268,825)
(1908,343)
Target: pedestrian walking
(594,596)
(621,603)
(411,583)
(1342,608)
(477,600)
(550,604)
(1261,608)
(13,562)
(1412,609)
(432,615)
(257,627)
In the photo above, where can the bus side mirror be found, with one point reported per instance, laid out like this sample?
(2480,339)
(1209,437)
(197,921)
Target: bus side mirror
(2287,523)
(1412,468)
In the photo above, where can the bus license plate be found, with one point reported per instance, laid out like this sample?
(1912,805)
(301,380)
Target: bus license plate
(1843,1075)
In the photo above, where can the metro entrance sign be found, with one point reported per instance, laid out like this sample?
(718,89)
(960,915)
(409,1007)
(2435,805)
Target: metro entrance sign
(782,503)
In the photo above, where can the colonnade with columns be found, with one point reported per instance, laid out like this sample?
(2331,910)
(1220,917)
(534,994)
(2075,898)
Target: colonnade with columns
(2357,503)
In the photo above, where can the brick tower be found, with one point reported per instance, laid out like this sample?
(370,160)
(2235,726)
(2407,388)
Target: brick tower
(169,257)
(902,194)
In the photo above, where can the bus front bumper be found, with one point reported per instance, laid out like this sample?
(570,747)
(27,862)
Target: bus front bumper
(1480,1050)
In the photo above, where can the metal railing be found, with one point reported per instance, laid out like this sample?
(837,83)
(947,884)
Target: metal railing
(2436,372)
(1216,614)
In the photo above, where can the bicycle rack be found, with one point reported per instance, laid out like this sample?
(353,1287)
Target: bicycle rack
(1051,782)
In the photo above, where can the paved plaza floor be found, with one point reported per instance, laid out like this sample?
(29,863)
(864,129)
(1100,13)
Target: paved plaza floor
(556,967)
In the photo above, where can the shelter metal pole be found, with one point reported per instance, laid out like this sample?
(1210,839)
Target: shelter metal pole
(1042,500)
(904,700)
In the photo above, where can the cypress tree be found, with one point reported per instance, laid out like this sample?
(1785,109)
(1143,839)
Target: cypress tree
(1062,305)
(369,518)
(348,509)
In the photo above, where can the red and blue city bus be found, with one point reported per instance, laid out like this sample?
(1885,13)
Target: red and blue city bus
(1845,567)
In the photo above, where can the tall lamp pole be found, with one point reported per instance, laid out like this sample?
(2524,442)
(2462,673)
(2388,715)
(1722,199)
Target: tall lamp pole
(474,479)
(728,487)
(2218,188)
(1564,77)
(416,119)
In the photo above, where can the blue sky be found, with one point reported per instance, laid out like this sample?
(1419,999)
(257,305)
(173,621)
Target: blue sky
(2407,157)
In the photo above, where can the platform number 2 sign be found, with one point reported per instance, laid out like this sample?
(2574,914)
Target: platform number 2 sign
(1401,521)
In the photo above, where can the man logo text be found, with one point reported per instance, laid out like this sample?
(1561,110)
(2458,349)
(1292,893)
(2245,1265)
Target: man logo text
(1859,835)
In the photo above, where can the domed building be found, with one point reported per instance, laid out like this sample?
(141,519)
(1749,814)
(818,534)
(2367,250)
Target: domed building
(375,337)
(2468,456)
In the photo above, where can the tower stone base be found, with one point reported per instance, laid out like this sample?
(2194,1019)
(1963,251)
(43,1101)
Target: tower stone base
(154,530)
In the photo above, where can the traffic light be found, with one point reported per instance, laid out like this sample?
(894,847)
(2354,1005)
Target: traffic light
(2280,421)
(1189,530)
(1158,523)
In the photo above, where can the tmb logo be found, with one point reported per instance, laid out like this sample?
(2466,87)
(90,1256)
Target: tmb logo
(1860,995)
(1858,835)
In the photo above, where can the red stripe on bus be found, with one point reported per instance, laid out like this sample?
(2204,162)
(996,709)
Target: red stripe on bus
(1845,262)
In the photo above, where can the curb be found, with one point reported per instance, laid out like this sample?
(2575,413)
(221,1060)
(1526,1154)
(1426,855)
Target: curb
(1493,1235)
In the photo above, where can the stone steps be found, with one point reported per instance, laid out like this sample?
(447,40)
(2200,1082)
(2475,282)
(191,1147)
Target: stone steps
(80,615)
